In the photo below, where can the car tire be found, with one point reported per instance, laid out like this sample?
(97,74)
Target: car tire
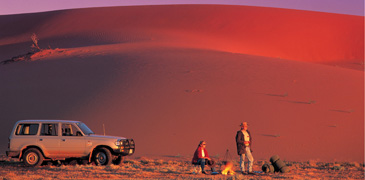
(273,159)
(102,157)
(265,168)
(272,169)
(268,168)
(118,160)
(33,157)
(285,169)
(278,165)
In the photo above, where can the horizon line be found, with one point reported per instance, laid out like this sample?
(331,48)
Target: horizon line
(131,5)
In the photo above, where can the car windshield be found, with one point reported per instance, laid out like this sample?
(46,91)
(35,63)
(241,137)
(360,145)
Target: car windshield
(84,128)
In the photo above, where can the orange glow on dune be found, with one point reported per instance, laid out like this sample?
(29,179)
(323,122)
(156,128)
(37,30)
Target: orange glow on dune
(271,32)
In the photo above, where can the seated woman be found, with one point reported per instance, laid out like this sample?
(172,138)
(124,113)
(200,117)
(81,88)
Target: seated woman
(202,158)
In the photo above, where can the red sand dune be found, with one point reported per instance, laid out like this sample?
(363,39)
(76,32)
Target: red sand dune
(170,76)
(279,33)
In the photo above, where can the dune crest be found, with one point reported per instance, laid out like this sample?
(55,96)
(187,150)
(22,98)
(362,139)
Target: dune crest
(279,33)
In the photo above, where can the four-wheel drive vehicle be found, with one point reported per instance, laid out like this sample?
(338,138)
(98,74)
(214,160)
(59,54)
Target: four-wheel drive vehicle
(36,141)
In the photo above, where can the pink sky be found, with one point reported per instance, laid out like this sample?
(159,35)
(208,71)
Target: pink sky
(352,7)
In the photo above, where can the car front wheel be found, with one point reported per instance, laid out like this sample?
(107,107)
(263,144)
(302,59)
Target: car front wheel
(102,156)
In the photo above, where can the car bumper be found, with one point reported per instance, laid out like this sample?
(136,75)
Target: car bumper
(124,152)
(13,154)
(126,149)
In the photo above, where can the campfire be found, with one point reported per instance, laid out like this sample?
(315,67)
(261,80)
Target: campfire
(228,169)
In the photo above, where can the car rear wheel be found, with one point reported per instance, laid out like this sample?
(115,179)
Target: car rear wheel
(102,156)
(33,157)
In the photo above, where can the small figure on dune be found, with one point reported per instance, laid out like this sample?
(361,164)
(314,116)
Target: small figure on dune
(202,158)
(244,143)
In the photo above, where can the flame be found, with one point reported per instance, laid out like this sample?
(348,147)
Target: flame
(228,169)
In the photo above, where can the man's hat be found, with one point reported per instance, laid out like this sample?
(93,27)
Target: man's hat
(243,124)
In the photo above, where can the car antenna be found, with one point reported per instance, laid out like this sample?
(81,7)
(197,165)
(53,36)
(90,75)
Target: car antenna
(104,129)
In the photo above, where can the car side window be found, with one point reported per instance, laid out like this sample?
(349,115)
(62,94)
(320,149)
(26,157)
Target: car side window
(27,129)
(70,130)
(49,129)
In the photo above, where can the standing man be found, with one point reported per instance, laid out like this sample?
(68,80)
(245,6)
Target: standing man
(244,143)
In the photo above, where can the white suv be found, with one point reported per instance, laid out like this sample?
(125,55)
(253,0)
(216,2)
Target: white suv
(36,141)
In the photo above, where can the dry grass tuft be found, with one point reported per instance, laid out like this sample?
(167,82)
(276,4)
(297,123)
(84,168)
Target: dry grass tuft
(35,42)
(312,163)
(177,168)
(36,53)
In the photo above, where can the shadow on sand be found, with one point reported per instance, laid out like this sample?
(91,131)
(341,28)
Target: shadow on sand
(271,135)
(342,111)
(301,102)
(278,95)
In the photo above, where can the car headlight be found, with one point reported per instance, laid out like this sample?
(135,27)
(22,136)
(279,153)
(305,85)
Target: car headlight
(119,142)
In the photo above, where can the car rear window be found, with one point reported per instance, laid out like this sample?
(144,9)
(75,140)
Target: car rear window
(27,129)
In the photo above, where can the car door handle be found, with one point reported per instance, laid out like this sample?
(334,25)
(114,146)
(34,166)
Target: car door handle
(63,139)
(40,139)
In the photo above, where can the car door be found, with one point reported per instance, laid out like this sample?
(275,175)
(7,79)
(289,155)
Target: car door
(72,142)
(49,139)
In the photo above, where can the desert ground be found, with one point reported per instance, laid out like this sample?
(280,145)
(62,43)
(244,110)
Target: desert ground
(177,167)
(170,76)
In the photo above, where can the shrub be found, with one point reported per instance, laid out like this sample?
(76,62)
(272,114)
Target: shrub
(35,42)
